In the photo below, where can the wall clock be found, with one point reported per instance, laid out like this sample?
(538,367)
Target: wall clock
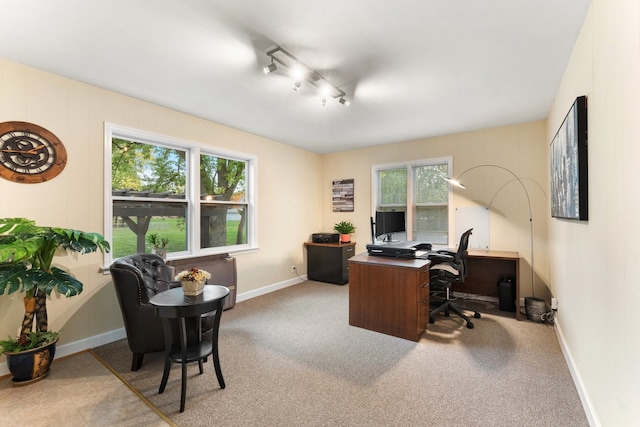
(30,153)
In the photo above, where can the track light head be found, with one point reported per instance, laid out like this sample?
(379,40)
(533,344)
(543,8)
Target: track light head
(297,84)
(344,101)
(269,68)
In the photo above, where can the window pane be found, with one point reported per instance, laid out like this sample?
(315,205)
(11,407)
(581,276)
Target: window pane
(134,220)
(147,168)
(430,219)
(393,187)
(222,179)
(429,185)
(222,225)
(431,224)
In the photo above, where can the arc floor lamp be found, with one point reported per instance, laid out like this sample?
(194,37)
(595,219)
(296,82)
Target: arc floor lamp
(456,182)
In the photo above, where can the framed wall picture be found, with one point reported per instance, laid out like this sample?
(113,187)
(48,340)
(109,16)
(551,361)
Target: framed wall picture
(569,172)
(343,195)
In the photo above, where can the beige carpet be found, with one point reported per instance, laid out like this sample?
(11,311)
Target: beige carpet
(78,392)
(291,358)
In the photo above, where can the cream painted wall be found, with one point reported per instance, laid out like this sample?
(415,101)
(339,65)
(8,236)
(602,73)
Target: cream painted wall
(520,148)
(288,204)
(595,263)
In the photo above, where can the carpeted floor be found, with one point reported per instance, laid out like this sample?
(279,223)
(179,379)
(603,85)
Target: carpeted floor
(291,358)
(78,392)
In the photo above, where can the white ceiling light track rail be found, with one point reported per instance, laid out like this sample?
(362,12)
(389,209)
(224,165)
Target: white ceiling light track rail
(301,71)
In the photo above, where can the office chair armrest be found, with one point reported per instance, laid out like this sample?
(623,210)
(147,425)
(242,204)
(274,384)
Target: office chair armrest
(447,252)
(439,258)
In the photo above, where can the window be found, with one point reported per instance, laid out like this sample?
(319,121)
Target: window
(419,190)
(153,189)
(223,206)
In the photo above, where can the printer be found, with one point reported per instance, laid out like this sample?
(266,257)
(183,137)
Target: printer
(325,237)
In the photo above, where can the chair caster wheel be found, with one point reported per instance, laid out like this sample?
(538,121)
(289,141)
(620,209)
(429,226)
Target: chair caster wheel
(432,320)
(446,314)
(470,325)
(476,315)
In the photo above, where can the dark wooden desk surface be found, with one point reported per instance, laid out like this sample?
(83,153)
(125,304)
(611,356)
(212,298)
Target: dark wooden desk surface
(390,261)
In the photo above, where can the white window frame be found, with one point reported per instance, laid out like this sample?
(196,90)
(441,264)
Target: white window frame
(192,196)
(409,166)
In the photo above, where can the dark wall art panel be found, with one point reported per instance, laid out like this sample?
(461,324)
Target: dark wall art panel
(568,155)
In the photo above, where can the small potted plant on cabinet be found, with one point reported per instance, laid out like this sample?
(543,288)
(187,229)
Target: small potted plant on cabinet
(345,228)
(159,244)
(26,254)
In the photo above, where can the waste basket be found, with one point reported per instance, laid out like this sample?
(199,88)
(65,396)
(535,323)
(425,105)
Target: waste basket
(536,309)
(507,294)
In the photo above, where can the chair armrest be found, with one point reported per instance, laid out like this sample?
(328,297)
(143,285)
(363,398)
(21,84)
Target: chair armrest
(439,257)
(447,252)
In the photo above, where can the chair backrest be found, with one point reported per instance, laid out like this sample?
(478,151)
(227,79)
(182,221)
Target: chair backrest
(460,257)
(136,279)
(151,274)
(451,266)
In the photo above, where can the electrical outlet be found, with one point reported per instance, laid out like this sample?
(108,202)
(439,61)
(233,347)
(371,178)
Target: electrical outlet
(554,304)
(294,269)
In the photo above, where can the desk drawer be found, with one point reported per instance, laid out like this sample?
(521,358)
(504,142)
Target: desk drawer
(424,275)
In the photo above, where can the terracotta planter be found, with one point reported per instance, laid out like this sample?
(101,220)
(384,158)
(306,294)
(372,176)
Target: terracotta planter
(32,365)
(345,238)
(192,288)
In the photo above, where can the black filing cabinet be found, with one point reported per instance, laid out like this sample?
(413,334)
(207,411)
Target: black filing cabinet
(327,262)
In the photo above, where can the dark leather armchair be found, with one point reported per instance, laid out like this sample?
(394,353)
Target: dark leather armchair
(136,279)
(446,269)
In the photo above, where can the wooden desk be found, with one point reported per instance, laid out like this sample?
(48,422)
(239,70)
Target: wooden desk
(485,270)
(173,304)
(389,295)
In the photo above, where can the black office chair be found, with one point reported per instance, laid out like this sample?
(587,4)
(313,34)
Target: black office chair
(448,268)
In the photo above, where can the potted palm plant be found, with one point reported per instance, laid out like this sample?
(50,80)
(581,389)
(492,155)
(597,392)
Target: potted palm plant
(345,228)
(26,255)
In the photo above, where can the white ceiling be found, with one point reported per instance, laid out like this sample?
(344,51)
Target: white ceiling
(412,68)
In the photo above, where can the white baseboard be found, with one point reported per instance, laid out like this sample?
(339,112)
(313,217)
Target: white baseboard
(577,380)
(268,289)
(118,334)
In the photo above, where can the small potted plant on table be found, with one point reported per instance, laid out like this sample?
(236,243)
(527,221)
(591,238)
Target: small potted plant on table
(345,228)
(159,244)
(26,254)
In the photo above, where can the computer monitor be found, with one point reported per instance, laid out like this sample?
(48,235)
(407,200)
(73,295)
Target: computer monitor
(389,222)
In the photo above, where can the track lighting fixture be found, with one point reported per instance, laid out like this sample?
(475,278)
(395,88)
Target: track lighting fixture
(300,71)
(270,68)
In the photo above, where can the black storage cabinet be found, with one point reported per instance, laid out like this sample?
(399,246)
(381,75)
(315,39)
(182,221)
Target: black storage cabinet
(327,262)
